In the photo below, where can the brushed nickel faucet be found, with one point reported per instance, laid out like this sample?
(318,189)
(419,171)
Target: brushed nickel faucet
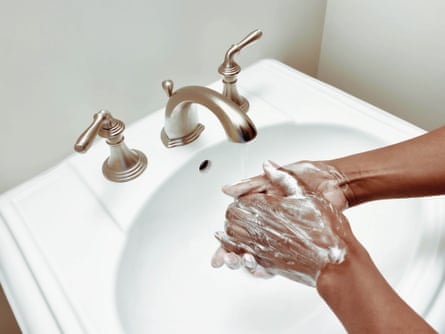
(229,69)
(123,164)
(181,120)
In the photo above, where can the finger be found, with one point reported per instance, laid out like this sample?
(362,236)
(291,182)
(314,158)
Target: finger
(250,229)
(258,211)
(249,262)
(235,261)
(242,222)
(232,260)
(261,272)
(217,260)
(254,184)
(230,245)
(236,225)
(286,182)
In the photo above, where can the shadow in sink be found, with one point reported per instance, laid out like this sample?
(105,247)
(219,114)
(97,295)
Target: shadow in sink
(165,283)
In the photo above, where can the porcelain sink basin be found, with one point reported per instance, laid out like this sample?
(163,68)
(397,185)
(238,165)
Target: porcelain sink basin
(165,283)
(80,254)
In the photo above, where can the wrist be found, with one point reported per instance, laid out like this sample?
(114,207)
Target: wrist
(336,279)
(349,289)
(357,182)
(322,178)
(362,299)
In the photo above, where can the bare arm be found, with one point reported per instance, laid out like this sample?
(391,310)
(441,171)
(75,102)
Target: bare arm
(354,289)
(307,240)
(362,299)
(412,168)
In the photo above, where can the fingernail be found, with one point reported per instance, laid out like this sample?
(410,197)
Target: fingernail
(218,258)
(249,261)
(261,272)
(232,261)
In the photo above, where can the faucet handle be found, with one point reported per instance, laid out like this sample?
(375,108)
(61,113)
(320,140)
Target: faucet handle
(123,164)
(86,139)
(167,85)
(249,39)
(229,69)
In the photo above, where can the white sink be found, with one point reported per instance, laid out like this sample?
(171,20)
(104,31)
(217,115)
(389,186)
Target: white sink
(97,257)
(165,283)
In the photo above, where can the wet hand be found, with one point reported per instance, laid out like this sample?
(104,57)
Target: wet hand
(294,236)
(314,177)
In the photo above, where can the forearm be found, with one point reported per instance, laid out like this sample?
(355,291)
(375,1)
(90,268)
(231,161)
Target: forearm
(362,299)
(408,169)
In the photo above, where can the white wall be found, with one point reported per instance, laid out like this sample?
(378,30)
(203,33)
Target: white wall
(62,61)
(389,53)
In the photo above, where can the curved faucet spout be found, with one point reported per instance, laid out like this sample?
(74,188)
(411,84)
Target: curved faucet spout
(181,122)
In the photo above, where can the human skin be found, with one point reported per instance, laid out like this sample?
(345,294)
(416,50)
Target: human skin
(353,287)
(355,290)
(293,236)
(362,299)
(411,168)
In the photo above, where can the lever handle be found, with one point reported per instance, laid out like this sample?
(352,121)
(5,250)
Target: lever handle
(249,39)
(229,67)
(123,164)
(87,137)
(167,85)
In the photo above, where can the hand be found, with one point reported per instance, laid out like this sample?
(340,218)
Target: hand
(290,236)
(314,177)
(291,180)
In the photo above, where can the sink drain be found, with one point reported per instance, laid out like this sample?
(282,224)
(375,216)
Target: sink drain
(204,166)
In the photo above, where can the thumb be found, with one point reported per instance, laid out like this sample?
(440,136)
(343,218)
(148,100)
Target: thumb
(254,184)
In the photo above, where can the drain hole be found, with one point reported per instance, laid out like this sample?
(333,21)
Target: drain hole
(205,166)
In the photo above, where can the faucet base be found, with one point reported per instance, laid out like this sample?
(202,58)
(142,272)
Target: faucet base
(231,92)
(180,141)
(125,167)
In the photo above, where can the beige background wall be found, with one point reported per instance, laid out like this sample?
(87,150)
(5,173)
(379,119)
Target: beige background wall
(62,61)
(389,53)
